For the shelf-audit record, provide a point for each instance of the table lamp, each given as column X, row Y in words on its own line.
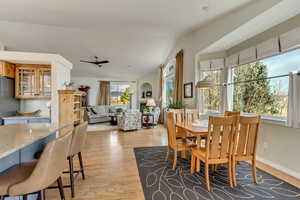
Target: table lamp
column 150, row 103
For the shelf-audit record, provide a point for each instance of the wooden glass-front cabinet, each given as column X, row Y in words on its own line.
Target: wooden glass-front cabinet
column 33, row 81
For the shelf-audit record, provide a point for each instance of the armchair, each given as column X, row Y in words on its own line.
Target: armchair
column 129, row 121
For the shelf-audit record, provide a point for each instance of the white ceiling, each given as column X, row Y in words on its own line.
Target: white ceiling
column 136, row 33
column 279, row 13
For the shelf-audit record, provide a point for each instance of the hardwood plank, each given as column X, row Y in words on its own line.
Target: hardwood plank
column 110, row 166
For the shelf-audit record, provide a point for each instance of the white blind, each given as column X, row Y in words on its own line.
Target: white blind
column 217, row 64
column 247, row 56
column 290, row 40
column 232, row 61
column 205, row 65
column 268, row 48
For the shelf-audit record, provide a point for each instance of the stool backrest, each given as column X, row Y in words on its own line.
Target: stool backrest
column 78, row 139
column 49, row 167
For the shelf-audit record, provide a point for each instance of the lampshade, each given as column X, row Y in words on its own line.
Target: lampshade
column 150, row 102
column 205, row 84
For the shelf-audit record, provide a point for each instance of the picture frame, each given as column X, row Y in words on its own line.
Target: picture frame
column 188, row 90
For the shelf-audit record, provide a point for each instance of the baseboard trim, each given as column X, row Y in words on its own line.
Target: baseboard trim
column 279, row 167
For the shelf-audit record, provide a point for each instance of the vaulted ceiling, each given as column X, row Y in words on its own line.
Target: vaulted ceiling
column 135, row 35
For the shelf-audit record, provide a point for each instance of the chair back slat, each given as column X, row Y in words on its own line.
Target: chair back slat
column 226, row 141
column 220, row 137
column 191, row 115
column 246, row 138
column 171, row 129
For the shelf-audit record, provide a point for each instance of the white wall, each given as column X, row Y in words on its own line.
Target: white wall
column 30, row 105
column 60, row 74
column 278, row 146
column 196, row 41
column 153, row 79
column 94, row 90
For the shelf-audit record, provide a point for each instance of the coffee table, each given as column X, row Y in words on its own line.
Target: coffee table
column 113, row 119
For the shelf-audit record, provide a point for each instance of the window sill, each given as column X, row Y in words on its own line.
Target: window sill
column 266, row 120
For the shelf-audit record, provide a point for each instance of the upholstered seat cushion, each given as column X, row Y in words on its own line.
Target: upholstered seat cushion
column 14, row 175
column 99, row 115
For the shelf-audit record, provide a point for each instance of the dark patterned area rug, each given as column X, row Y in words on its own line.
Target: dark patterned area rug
column 160, row 182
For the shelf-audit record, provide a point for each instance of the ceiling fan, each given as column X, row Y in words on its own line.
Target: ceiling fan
column 96, row 62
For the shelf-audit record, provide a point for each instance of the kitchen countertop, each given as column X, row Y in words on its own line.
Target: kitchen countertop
column 17, row 136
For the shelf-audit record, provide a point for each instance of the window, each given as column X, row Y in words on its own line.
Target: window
column 169, row 82
column 268, row 95
column 119, row 94
column 212, row 96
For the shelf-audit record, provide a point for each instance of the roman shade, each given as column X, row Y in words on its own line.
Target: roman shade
column 217, row 64
column 290, row 40
column 268, row 48
column 205, row 65
column 232, row 61
column 247, row 56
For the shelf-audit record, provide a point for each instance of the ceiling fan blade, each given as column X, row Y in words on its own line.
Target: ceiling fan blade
column 87, row 61
column 103, row 62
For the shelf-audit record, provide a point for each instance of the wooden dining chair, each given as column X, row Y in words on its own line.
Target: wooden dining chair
column 191, row 115
column 228, row 114
column 177, row 145
column 231, row 113
column 179, row 118
column 218, row 148
column 245, row 142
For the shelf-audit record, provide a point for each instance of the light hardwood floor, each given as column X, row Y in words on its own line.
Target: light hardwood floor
column 111, row 171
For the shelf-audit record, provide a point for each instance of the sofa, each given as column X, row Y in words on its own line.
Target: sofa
column 131, row 120
column 97, row 114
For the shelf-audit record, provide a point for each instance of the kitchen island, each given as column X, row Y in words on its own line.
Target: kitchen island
column 19, row 143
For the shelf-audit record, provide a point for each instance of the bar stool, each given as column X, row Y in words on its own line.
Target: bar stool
column 77, row 144
column 34, row 177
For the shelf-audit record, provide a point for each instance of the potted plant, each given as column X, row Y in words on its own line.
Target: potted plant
column 177, row 105
column 119, row 110
column 171, row 106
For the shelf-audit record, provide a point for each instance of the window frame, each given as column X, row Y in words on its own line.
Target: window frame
column 171, row 63
column 201, row 93
column 227, row 79
column 271, row 119
column 118, row 85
